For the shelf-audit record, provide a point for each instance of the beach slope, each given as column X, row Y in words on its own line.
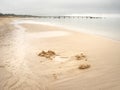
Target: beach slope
column 22, row 68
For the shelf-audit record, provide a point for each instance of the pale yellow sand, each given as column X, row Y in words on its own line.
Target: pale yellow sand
column 22, row 69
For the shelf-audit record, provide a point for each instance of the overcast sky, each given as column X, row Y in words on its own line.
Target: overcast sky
column 59, row 7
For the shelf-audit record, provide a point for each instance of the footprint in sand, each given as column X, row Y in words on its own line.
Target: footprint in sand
column 55, row 76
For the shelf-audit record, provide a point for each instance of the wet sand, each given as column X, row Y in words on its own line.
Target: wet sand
column 22, row 69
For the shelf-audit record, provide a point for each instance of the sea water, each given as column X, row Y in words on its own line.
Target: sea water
column 104, row 26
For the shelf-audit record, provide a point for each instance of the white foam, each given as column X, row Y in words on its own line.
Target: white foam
column 32, row 22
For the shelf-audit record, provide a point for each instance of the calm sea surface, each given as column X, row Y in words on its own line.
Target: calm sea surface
column 106, row 26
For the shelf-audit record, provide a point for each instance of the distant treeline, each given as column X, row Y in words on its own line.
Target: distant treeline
column 15, row 15
column 25, row 16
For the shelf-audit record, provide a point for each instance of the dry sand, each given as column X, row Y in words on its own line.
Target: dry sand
column 22, row 69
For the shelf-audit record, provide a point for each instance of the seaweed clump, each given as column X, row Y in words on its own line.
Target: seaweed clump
column 84, row 63
column 84, row 66
column 47, row 54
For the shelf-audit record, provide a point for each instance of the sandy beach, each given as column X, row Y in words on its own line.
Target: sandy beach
column 22, row 69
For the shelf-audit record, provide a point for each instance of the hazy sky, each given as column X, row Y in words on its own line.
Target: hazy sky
column 59, row 7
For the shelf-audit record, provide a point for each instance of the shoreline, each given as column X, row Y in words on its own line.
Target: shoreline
column 47, row 33
column 44, row 24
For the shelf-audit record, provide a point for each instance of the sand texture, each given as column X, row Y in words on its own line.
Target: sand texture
column 24, row 67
